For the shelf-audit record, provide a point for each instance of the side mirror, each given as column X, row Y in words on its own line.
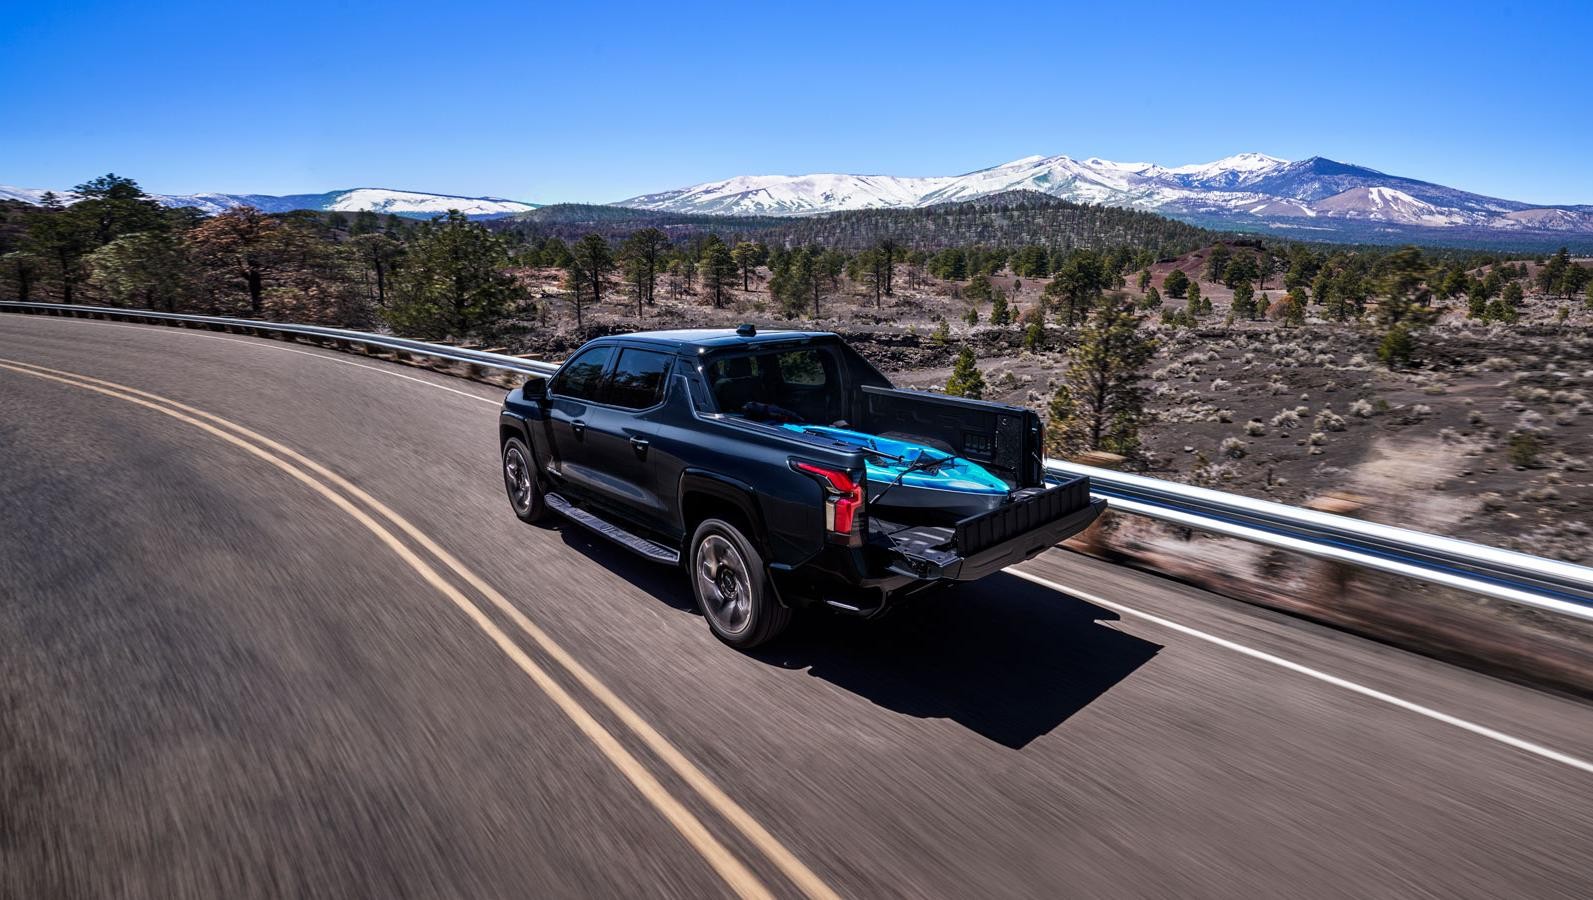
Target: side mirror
column 535, row 387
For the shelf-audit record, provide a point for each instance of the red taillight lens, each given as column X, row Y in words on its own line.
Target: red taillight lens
column 843, row 501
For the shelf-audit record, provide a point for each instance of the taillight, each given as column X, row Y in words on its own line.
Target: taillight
column 843, row 502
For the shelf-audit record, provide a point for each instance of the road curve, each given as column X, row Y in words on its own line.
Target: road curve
column 227, row 672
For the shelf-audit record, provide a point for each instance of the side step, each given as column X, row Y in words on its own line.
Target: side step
column 639, row 545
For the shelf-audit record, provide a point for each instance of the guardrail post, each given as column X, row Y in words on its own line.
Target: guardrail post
column 1336, row 576
column 1093, row 539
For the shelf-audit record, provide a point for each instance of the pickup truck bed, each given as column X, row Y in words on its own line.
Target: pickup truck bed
column 675, row 445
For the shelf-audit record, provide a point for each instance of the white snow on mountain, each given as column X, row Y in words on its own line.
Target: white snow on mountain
column 1242, row 162
column 34, row 196
column 381, row 200
column 791, row 194
column 1091, row 180
column 1381, row 204
column 1249, row 187
column 378, row 200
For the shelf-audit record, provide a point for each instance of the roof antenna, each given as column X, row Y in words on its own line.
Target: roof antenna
column 745, row 329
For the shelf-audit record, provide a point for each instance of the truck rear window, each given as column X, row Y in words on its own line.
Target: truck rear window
column 803, row 382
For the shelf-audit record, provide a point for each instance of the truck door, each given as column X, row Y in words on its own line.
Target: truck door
column 572, row 396
column 619, row 434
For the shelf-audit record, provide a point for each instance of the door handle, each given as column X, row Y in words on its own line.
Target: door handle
column 639, row 445
column 579, row 428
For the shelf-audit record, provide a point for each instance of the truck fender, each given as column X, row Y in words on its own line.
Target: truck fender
column 697, row 485
column 513, row 424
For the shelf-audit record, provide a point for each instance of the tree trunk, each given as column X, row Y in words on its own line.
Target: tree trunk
column 66, row 278
column 254, row 280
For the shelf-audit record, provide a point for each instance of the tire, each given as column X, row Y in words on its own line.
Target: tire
column 520, row 481
column 731, row 584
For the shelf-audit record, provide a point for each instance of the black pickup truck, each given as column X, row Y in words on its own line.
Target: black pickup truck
column 748, row 455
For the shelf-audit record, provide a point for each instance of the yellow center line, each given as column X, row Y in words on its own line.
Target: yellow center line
column 754, row 831
column 735, row 874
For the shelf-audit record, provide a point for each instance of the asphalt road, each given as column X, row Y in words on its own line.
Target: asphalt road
column 306, row 650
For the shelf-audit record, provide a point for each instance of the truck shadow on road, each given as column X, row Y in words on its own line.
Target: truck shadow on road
column 1005, row 658
column 1008, row 659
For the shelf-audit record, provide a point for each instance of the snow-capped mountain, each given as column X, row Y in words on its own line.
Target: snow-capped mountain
column 378, row 200
column 1250, row 190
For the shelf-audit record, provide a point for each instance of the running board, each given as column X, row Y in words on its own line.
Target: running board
column 639, row 545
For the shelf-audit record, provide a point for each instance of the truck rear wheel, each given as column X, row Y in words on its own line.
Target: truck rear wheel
column 520, row 480
column 732, row 587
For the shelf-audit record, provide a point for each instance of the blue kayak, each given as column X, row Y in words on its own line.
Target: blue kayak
column 905, row 475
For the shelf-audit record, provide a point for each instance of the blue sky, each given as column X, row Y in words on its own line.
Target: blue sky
column 598, row 102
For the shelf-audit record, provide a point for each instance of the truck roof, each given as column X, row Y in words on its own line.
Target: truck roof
column 716, row 337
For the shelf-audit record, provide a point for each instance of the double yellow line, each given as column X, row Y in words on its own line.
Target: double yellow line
column 386, row 525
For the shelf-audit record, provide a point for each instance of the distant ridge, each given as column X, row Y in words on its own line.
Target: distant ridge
column 378, row 200
column 1316, row 198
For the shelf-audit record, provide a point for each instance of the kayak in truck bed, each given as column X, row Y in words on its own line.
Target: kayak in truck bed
column 907, row 476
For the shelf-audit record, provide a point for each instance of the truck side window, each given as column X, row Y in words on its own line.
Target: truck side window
column 582, row 378
column 638, row 378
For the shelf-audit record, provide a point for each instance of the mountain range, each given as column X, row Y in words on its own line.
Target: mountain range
column 1311, row 198
column 380, row 200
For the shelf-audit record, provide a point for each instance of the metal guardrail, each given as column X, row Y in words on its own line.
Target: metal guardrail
column 1545, row 584
column 316, row 333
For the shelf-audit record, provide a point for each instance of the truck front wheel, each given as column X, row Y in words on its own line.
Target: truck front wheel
column 520, row 480
column 732, row 587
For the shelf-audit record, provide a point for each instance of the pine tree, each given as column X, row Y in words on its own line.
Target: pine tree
column 1244, row 303
column 965, row 380
column 978, row 289
column 1000, row 313
column 1195, row 306
column 830, row 265
column 1553, row 271
column 795, row 282
column 240, row 245
column 110, row 206
column 717, row 267
column 454, row 280
column 888, row 250
column 746, row 255
column 1217, row 262
column 642, row 254
column 1034, row 336
column 593, row 260
column 1266, row 266
column 1398, row 347
column 1100, row 404
column 148, row 269
column 1176, row 284
column 377, row 254
column 1077, row 285
column 1241, row 268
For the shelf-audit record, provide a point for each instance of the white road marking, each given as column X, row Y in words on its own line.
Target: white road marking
column 270, row 345
column 1336, row 681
